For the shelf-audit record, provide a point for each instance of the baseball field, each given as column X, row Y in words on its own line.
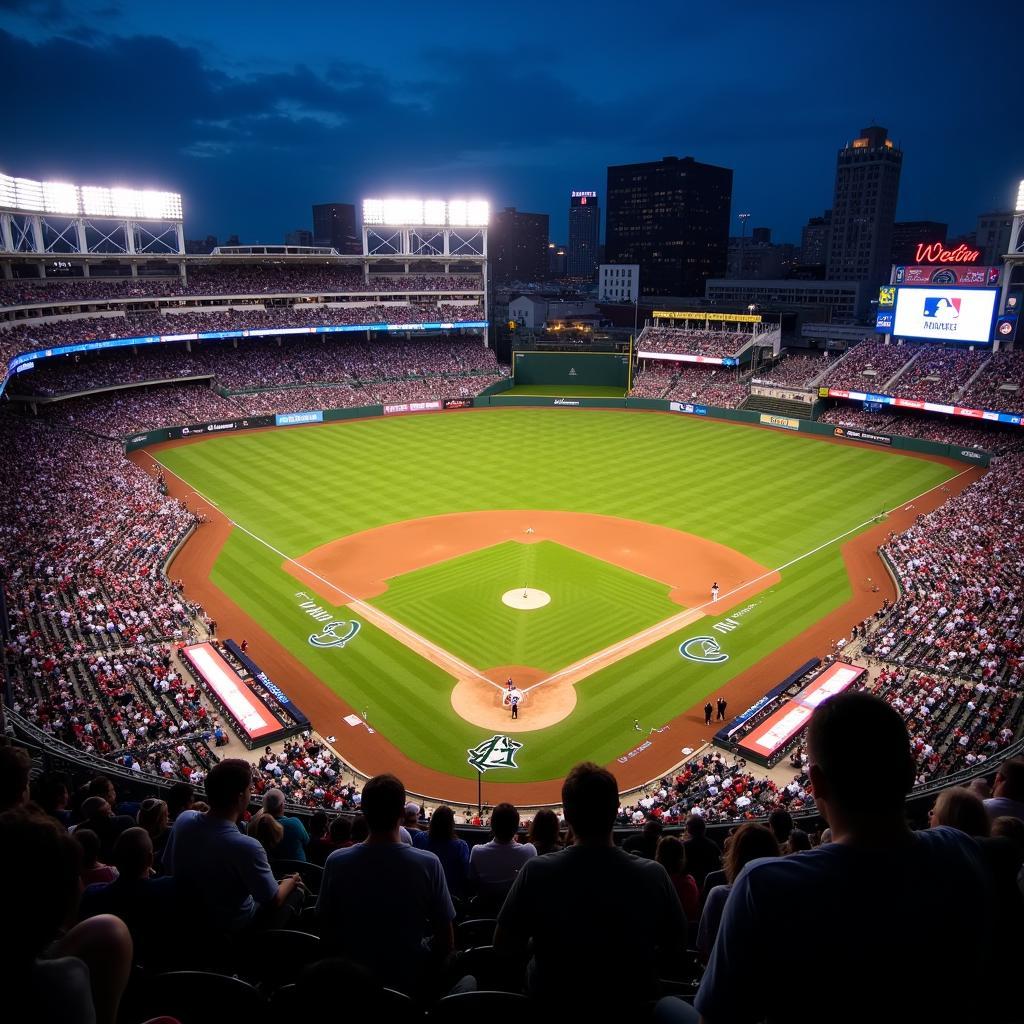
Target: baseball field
column 421, row 535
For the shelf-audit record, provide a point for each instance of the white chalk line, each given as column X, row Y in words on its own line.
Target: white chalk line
column 371, row 612
column 375, row 615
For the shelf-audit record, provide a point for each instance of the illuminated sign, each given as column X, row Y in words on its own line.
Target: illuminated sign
column 936, row 252
column 957, row 277
column 583, row 195
column 886, row 296
column 733, row 318
column 960, row 316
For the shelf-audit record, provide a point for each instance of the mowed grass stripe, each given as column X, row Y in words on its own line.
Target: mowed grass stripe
column 772, row 495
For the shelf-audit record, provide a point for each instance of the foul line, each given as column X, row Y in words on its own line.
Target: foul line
column 368, row 611
column 735, row 590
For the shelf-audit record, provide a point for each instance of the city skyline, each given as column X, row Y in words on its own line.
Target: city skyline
column 254, row 119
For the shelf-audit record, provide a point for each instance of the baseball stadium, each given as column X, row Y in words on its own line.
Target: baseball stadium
column 287, row 505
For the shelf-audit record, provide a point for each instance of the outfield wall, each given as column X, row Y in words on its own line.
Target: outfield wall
column 497, row 399
column 572, row 369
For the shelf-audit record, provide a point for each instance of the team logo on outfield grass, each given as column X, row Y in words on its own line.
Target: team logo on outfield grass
column 704, row 649
column 335, row 634
column 497, row 752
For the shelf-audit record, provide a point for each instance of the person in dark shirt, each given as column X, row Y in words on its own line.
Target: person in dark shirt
column 645, row 842
column 702, row 855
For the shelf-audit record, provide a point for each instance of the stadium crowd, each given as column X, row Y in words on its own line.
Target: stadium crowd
column 999, row 386
column 939, row 374
column 793, row 370
column 930, row 427
column 653, row 381
column 687, row 342
column 868, row 366
column 709, row 384
column 234, row 280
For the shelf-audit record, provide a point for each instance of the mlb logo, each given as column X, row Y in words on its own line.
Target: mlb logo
column 942, row 307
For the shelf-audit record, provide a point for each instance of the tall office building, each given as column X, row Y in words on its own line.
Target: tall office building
column 992, row 237
column 517, row 246
column 335, row 224
column 864, row 208
column 300, row 236
column 814, row 240
column 584, row 234
column 671, row 217
column 907, row 235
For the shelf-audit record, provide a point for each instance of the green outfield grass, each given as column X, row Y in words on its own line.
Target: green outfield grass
column 457, row 604
column 563, row 391
column 773, row 496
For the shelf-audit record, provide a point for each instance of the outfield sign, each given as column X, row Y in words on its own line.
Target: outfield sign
column 782, row 422
column 913, row 403
column 732, row 318
column 399, row 407
column 287, row 419
column 861, row 435
column 688, row 407
column 768, row 390
column 496, row 752
column 683, row 357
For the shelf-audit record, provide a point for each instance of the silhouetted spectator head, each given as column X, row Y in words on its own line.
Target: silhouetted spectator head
column 360, row 828
column 15, row 765
column 95, row 807
column 179, row 798
column 89, row 844
column 341, row 830
column 267, row 831
column 442, row 824
column 590, row 798
column 153, row 816
column 229, row 786
column 273, row 802
column 412, row 816
column 133, row 854
column 960, row 808
column 1006, row 827
column 1009, row 782
column 318, row 825
column 747, row 843
column 383, row 803
column 50, row 791
column 781, row 824
column 102, row 786
column 504, row 822
column 671, row 855
column 842, row 731
column 696, row 826
column 798, row 841
column 545, row 829
column 652, row 828
column 42, row 864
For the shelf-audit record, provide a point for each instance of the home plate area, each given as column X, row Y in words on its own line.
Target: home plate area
column 525, row 598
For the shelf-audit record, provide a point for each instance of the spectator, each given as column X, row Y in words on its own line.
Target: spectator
column 76, row 976
column 959, row 808
column 781, row 823
column 93, row 869
column 145, row 904
column 453, row 853
column 268, row 832
column 412, row 819
column 702, row 855
column 1008, row 792
column 153, row 817
column 378, row 899
column 50, row 792
column 15, row 765
column 293, row 844
column 545, row 832
column 98, row 816
column 221, row 873
column 671, row 855
column 749, row 843
column 319, row 839
column 493, row 866
column 799, row 840
column 599, row 919
column 645, row 844
column 179, row 798
column 877, row 888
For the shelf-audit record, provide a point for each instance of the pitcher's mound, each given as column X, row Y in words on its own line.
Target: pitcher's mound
column 525, row 598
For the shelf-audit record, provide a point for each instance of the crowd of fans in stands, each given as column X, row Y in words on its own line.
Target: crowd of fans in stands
column 680, row 341
column 653, row 381
column 234, row 280
column 710, row 385
column 868, row 366
column 939, row 374
column 946, row 429
column 794, row 370
column 989, row 390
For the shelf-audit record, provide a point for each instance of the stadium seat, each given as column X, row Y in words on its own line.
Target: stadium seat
column 312, row 874
column 274, row 958
column 199, row 997
column 490, row 970
column 477, row 931
column 474, row 1007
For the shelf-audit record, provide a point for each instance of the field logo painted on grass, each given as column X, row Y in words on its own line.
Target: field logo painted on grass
column 496, row 752
column 704, row 649
column 328, row 636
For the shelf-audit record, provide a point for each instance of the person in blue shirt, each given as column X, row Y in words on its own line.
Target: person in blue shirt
column 295, row 840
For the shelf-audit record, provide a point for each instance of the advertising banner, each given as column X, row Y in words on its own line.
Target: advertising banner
column 286, row 419
column 957, row 277
column 689, row 408
column 399, row 407
column 786, row 394
column 913, row 403
column 458, row 403
column 679, row 357
column 958, row 316
column 782, row 422
column 732, row 318
column 861, row 435
column 884, row 320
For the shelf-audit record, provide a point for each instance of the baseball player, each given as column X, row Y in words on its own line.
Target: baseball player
column 714, row 591
column 515, row 707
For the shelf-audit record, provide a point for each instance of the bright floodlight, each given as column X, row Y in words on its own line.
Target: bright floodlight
column 96, row 201
column 457, row 213
column 434, row 211
column 29, row 194
column 60, row 198
column 479, row 212
column 1020, row 198
column 373, row 211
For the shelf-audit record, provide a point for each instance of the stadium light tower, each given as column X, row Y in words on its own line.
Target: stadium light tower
column 1013, row 260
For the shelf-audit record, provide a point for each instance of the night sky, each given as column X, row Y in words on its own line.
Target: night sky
column 256, row 110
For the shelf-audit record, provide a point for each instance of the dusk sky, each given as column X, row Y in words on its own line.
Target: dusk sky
column 256, row 110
